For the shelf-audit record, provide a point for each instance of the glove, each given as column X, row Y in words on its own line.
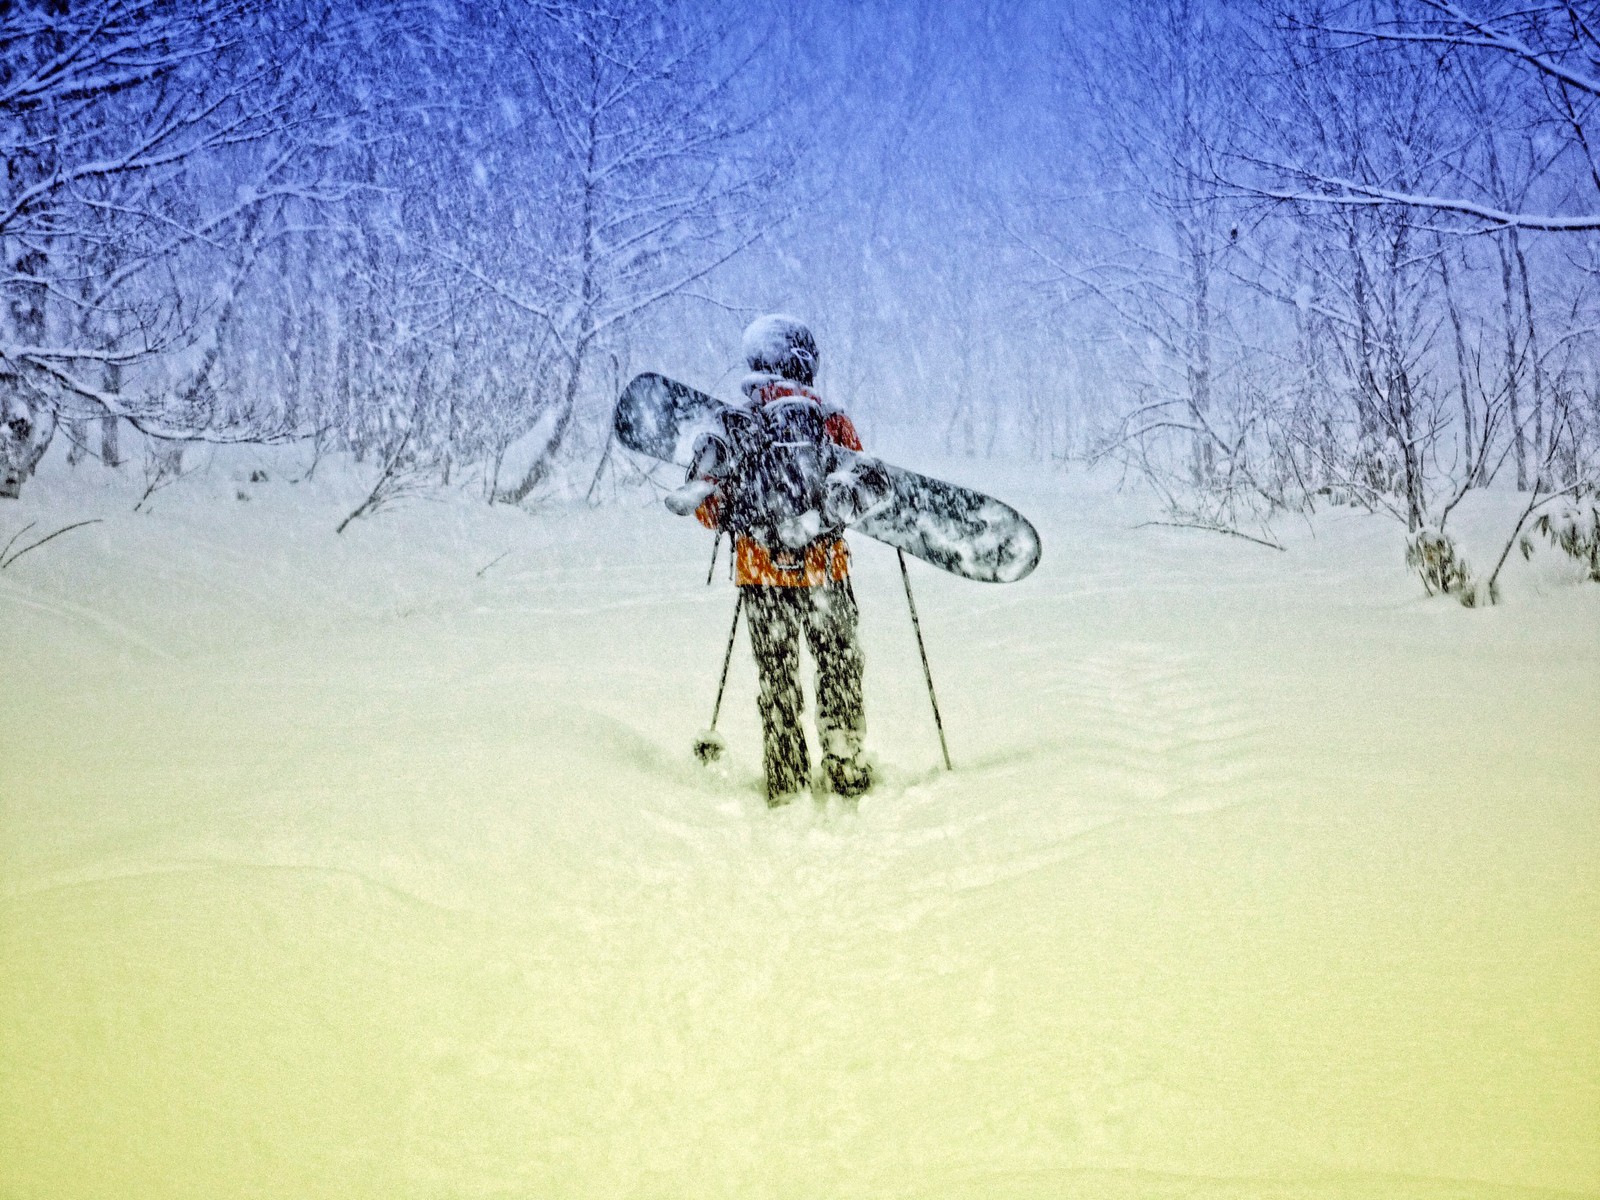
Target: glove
column 684, row 500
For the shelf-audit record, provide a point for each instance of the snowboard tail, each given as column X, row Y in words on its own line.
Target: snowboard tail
column 957, row 529
column 660, row 417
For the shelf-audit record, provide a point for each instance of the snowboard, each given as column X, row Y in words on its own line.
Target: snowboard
column 954, row 528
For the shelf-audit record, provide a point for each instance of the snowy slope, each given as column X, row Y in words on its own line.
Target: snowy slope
column 377, row 865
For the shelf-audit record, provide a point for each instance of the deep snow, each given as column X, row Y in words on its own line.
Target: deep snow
column 377, row 865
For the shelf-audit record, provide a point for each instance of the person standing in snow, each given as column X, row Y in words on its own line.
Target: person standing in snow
column 788, row 593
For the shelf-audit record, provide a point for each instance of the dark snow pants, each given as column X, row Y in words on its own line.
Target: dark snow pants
column 827, row 616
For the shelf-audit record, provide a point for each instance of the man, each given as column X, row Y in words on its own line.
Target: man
column 793, row 591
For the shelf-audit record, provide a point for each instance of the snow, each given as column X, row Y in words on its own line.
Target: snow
column 379, row 865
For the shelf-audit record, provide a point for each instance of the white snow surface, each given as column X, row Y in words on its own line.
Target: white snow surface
column 378, row 864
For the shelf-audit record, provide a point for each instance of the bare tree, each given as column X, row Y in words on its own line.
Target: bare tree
column 1552, row 55
column 1154, row 257
column 148, row 147
column 645, row 180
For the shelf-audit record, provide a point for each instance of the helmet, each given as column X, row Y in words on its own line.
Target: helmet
column 781, row 345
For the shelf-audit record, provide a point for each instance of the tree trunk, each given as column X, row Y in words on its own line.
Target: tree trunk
column 1468, row 418
column 544, row 462
column 1519, row 445
column 1540, row 450
column 24, row 437
column 110, row 442
column 1202, row 453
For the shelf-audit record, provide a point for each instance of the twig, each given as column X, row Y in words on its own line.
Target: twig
column 167, row 470
column 6, row 562
column 1212, row 529
column 600, row 467
column 393, row 482
column 491, row 563
column 14, row 538
column 1534, row 502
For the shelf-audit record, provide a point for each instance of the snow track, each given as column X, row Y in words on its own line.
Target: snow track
column 346, row 867
column 1163, row 727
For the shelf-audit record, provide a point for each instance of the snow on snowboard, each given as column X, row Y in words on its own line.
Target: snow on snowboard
column 824, row 486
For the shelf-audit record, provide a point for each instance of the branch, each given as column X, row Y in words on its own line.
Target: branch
column 6, row 562
column 1352, row 194
column 1495, row 38
column 1212, row 529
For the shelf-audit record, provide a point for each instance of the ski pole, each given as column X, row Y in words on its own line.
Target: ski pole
column 727, row 658
column 708, row 746
column 916, row 625
column 716, row 545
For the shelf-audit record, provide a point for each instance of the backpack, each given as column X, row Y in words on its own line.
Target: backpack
column 771, row 460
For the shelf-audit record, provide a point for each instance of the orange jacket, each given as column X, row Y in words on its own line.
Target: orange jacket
column 753, row 563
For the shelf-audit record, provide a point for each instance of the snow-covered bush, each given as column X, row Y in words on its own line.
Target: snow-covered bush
column 1432, row 554
column 1575, row 528
column 24, row 435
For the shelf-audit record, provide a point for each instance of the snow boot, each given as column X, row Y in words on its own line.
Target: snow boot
column 848, row 777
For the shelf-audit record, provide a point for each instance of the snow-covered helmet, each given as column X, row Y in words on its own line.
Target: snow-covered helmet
column 781, row 345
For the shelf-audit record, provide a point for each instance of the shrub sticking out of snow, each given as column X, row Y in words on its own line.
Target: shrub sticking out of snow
column 1574, row 527
column 1432, row 554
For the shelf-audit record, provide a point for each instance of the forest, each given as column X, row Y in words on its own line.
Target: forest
column 1270, row 257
